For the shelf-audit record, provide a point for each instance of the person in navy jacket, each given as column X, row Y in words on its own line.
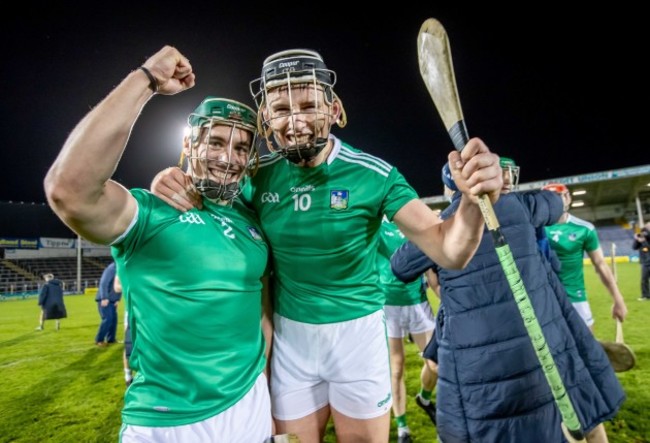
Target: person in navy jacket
column 107, row 300
column 491, row 386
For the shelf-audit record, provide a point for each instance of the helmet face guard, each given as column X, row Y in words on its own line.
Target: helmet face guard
column 220, row 154
column 301, row 76
column 510, row 173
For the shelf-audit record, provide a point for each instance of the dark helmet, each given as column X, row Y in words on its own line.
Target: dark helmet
column 292, row 66
column 289, row 68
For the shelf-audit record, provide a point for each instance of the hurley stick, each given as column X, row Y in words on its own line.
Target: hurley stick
column 436, row 67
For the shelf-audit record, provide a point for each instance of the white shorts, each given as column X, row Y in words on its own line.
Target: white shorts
column 248, row 420
column 345, row 365
column 411, row 319
column 584, row 310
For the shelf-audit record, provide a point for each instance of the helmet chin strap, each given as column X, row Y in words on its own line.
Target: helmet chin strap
column 305, row 151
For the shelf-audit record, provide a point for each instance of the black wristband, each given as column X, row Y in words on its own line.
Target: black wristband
column 153, row 84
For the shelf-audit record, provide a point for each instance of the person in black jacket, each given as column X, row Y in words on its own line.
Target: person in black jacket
column 50, row 299
column 642, row 244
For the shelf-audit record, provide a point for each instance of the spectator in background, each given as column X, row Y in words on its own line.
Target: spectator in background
column 407, row 311
column 642, row 244
column 570, row 238
column 128, row 344
column 107, row 300
column 50, row 299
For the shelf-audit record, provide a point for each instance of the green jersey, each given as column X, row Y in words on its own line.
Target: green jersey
column 570, row 241
column 397, row 293
column 193, row 292
column 322, row 224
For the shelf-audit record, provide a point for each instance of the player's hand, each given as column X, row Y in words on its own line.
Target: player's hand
column 619, row 311
column 173, row 72
column 476, row 171
column 176, row 189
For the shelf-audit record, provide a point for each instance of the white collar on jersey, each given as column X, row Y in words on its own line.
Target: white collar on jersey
column 336, row 147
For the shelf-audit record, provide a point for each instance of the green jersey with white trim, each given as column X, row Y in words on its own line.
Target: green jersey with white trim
column 570, row 241
column 193, row 292
column 397, row 292
column 322, row 225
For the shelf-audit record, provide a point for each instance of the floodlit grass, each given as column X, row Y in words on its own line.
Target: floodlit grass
column 56, row 386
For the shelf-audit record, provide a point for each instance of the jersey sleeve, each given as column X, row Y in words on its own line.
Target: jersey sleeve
column 591, row 241
column 398, row 192
column 130, row 239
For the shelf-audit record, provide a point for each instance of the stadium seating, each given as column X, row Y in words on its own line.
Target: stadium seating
column 23, row 277
column 615, row 234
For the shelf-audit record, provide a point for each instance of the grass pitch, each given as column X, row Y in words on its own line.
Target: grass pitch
column 57, row 386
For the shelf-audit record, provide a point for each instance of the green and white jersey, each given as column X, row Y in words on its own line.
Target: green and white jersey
column 570, row 241
column 397, row 293
column 193, row 291
column 322, row 225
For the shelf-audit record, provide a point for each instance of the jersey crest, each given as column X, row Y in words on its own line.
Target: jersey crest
column 254, row 233
column 339, row 199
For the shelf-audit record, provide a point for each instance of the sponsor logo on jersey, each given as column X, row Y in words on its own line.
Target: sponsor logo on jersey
column 301, row 189
column 192, row 218
column 384, row 401
column 573, row 236
column 254, row 233
column 339, row 199
column 270, row 197
column 222, row 219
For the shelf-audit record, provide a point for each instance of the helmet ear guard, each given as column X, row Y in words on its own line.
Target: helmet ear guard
column 342, row 119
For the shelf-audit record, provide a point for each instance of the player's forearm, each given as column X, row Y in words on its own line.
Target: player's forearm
column 463, row 233
column 607, row 278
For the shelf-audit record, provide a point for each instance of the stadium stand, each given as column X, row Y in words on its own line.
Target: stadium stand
column 608, row 196
column 619, row 236
column 23, row 277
